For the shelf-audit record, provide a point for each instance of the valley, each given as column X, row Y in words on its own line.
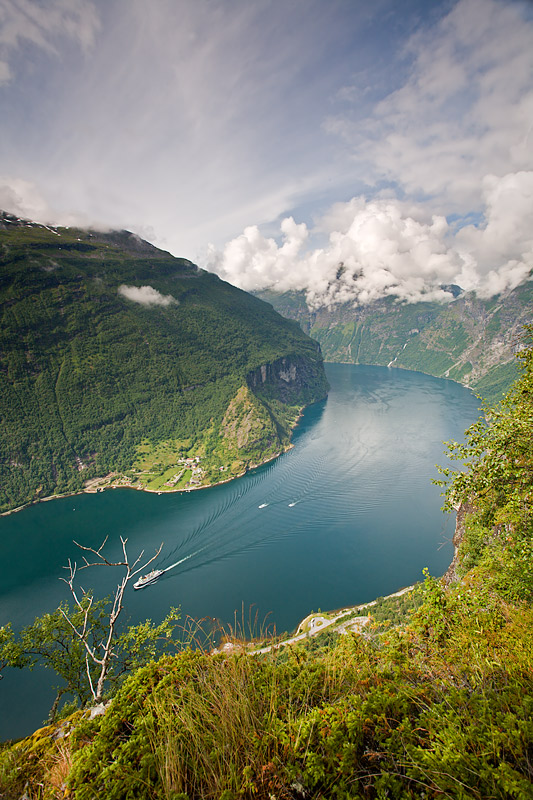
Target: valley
column 467, row 339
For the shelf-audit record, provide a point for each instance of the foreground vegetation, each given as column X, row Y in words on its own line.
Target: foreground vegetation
column 441, row 707
column 94, row 376
column 434, row 700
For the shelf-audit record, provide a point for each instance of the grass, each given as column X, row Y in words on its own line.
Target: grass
column 206, row 736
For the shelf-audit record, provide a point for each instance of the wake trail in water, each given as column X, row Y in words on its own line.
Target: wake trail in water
column 185, row 558
column 241, row 490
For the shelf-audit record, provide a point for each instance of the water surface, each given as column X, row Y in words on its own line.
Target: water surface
column 347, row 515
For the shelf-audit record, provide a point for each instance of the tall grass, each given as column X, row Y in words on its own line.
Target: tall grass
column 440, row 707
column 213, row 733
column 229, row 730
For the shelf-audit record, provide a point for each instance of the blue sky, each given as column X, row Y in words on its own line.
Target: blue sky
column 271, row 140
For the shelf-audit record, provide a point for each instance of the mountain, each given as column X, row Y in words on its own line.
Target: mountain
column 119, row 360
column 469, row 340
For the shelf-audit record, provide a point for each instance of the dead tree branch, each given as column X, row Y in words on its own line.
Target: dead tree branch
column 101, row 652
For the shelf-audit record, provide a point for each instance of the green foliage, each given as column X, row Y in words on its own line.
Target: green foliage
column 439, row 707
column 88, row 375
column 391, row 611
column 50, row 642
column 497, row 478
column 496, row 382
column 142, row 643
column 11, row 651
column 477, row 538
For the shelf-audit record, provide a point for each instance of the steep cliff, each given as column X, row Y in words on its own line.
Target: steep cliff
column 452, row 575
column 291, row 379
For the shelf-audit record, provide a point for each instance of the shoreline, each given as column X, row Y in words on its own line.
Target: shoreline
column 96, row 489
column 315, row 623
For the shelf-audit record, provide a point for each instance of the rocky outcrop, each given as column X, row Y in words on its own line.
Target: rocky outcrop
column 247, row 428
column 259, row 419
column 464, row 510
column 294, row 379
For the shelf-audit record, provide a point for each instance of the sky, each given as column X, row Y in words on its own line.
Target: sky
column 349, row 149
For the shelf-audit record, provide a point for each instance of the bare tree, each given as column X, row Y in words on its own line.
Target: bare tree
column 101, row 653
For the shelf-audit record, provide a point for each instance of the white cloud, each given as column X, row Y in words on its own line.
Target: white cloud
column 23, row 199
column 146, row 295
column 381, row 249
column 252, row 261
column 198, row 120
column 456, row 137
column 501, row 249
column 195, row 118
column 465, row 110
column 386, row 247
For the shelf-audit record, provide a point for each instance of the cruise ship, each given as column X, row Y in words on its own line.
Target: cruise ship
column 146, row 580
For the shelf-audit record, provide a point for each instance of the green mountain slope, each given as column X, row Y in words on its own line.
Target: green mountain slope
column 469, row 340
column 94, row 381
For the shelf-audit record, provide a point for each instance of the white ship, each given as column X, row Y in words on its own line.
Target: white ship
column 146, row 580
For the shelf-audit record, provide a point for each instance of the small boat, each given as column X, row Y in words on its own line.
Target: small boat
column 263, row 505
column 146, row 580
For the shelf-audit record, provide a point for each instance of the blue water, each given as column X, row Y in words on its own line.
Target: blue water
column 347, row 515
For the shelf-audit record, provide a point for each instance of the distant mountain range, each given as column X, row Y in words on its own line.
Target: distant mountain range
column 119, row 360
column 469, row 340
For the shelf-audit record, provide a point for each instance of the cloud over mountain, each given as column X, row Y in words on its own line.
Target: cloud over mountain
column 216, row 121
column 389, row 247
column 146, row 295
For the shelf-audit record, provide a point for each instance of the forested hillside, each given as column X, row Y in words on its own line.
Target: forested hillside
column 116, row 357
column 435, row 701
column 469, row 340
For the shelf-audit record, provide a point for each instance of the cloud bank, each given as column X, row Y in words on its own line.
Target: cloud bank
column 146, row 295
column 217, row 120
column 452, row 145
column 389, row 247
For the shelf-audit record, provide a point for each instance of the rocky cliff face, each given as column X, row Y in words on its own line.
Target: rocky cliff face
column 259, row 419
column 292, row 379
column 451, row 576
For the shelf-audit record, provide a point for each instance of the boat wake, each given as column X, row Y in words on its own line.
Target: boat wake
column 185, row 558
